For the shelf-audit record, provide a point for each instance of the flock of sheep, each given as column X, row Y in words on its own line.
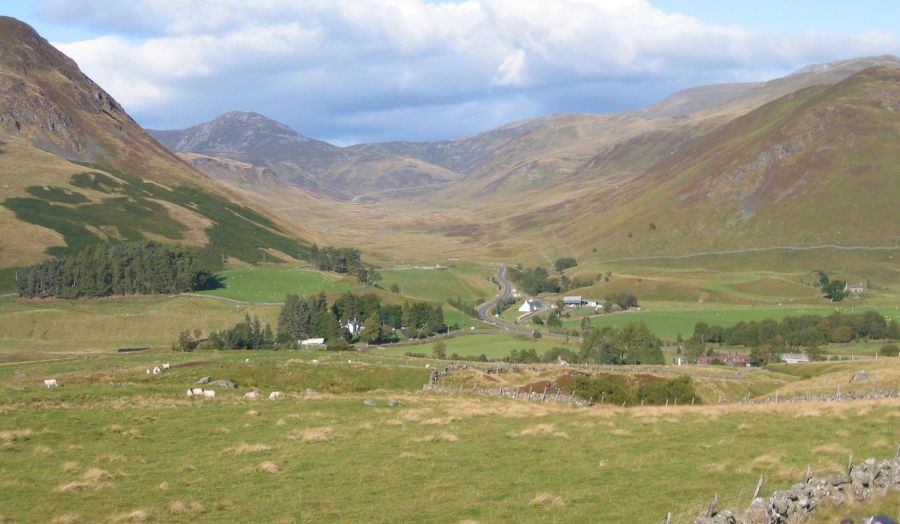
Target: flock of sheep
column 191, row 392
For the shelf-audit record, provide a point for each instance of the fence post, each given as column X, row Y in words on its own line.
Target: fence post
column 849, row 463
column 759, row 486
column 668, row 518
column 544, row 395
column 711, row 512
column 808, row 474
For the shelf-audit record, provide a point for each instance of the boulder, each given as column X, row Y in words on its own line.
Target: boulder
column 860, row 376
column 227, row 384
column 369, row 402
column 203, row 380
column 758, row 513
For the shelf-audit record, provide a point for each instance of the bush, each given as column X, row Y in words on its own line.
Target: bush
column 337, row 344
column 605, row 388
column 681, row 388
column 564, row 263
column 890, row 350
column 560, row 353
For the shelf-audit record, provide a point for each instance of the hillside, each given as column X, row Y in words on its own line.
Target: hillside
column 294, row 159
column 75, row 169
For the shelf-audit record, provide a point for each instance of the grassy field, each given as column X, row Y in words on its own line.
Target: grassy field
column 668, row 322
column 492, row 346
column 114, row 444
column 111, row 323
column 468, row 283
column 266, row 284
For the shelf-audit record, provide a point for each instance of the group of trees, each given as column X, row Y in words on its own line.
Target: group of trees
column 343, row 260
column 806, row 330
column 538, row 280
column 634, row 343
column 534, row 280
column 768, row 338
column 249, row 334
column 313, row 317
column 615, row 389
column 117, row 269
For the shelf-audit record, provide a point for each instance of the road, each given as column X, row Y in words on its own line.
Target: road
column 484, row 312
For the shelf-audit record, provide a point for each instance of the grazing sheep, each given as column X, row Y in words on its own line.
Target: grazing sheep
column 156, row 370
column 166, row 365
column 246, row 361
column 275, row 395
column 51, row 383
column 253, row 395
column 195, row 392
column 148, row 371
column 209, row 394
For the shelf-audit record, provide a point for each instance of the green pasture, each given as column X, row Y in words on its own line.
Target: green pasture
column 490, row 345
column 668, row 323
column 468, row 283
column 266, row 284
column 115, row 444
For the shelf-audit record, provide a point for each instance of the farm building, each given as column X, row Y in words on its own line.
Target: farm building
column 854, row 289
column 312, row 343
column 530, row 306
column 728, row 360
column 574, row 301
column 794, row 358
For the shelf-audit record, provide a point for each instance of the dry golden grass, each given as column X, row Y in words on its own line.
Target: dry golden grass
column 66, row 518
column 269, row 467
column 177, row 507
column 13, row 435
column 438, row 437
column 252, row 413
column 75, row 486
column 244, row 448
column 138, row 515
column 831, row 448
column 542, row 429
column 322, row 434
column 46, row 451
column 621, row 433
column 96, row 475
column 547, row 500
column 112, row 457
column 69, row 467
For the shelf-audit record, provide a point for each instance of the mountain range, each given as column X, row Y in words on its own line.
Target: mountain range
column 804, row 160
column 713, row 167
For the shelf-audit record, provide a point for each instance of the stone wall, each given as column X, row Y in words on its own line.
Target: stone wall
column 860, row 482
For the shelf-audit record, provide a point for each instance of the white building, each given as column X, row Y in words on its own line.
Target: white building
column 312, row 342
column 794, row 358
column 530, row 306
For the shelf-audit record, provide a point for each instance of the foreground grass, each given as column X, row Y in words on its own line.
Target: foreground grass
column 116, row 444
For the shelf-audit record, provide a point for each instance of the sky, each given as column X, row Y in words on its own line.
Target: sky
column 351, row 71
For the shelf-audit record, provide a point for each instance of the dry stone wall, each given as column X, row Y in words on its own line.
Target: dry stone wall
column 861, row 482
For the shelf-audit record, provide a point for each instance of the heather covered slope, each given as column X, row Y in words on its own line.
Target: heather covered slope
column 75, row 169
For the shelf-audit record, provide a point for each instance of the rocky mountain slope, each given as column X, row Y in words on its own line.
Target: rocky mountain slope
column 75, row 169
column 342, row 173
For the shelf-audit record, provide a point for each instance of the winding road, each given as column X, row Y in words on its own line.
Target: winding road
column 484, row 312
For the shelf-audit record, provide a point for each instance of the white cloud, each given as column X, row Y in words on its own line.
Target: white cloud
column 319, row 61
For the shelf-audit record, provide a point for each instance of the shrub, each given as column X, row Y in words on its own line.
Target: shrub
column 605, row 388
column 890, row 350
column 681, row 388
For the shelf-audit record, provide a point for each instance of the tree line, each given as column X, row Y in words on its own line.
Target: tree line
column 372, row 321
column 117, row 269
column 768, row 338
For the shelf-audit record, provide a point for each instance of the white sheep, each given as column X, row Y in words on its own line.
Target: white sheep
column 195, row 392
column 51, row 383
column 275, row 395
column 253, row 395
column 156, row 370
column 166, row 365
column 209, row 394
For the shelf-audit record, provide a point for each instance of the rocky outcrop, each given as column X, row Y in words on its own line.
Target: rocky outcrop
column 861, row 482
